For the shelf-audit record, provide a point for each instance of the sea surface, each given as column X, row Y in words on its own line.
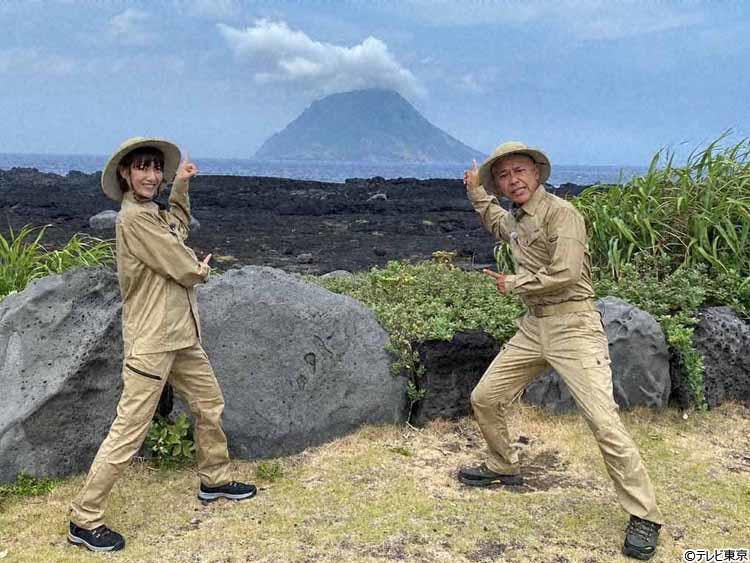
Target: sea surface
column 321, row 171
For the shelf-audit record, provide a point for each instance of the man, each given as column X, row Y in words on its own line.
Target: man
column 563, row 329
column 161, row 333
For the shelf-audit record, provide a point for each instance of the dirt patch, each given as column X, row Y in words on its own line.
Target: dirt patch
column 487, row 550
column 545, row 470
column 738, row 462
column 393, row 549
column 490, row 550
column 542, row 471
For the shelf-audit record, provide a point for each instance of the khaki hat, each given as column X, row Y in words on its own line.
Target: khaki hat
column 513, row 147
column 110, row 183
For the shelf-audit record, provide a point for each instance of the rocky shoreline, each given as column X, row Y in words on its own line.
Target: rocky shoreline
column 295, row 225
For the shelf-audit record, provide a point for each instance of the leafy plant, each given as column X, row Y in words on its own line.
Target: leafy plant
column 698, row 213
column 24, row 259
column 269, row 470
column 171, row 443
column 27, row 486
column 428, row 300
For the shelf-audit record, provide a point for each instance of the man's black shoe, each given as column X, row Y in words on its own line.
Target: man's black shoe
column 100, row 538
column 640, row 538
column 483, row 476
column 232, row 490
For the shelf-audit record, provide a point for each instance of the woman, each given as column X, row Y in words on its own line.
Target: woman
column 161, row 333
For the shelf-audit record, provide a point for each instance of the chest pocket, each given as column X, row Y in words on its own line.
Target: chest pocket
column 528, row 239
column 532, row 248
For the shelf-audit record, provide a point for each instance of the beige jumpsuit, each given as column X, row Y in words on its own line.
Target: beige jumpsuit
column 161, row 335
column 562, row 329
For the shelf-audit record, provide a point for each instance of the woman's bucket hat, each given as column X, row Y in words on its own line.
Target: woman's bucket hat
column 110, row 183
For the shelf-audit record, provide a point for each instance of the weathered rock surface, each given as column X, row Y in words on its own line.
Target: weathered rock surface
column 723, row 340
column 298, row 365
column 640, row 362
column 337, row 274
column 60, row 360
column 104, row 220
column 270, row 221
column 452, row 369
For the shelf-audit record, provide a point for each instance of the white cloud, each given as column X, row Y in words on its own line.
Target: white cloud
column 36, row 62
column 277, row 53
column 131, row 28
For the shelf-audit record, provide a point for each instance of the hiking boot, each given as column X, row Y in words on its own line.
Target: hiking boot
column 100, row 538
column 640, row 538
column 232, row 490
column 483, row 476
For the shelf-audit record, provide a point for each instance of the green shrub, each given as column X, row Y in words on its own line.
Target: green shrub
column 24, row 259
column 269, row 470
column 27, row 486
column 698, row 213
column 428, row 300
column 171, row 443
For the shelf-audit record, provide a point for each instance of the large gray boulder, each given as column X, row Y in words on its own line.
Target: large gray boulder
column 640, row 362
column 60, row 359
column 723, row 341
column 104, row 220
column 298, row 365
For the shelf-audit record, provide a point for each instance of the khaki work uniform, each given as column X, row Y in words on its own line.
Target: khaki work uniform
column 562, row 329
column 161, row 335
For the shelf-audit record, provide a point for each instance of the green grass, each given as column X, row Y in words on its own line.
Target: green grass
column 698, row 213
column 23, row 257
column 27, row 486
column 358, row 499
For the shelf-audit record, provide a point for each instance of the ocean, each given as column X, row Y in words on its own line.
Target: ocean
column 320, row 171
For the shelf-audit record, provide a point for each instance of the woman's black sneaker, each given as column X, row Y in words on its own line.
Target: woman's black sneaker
column 98, row 539
column 640, row 538
column 232, row 490
column 483, row 476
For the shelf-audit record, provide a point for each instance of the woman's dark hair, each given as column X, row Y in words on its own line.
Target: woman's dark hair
column 142, row 157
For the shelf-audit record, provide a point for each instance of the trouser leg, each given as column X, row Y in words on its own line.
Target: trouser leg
column 515, row 366
column 577, row 348
column 143, row 379
column 194, row 379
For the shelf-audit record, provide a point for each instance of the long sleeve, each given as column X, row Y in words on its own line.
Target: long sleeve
column 566, row 232
column 179, row 207
column 490, row 212
column 157, row 247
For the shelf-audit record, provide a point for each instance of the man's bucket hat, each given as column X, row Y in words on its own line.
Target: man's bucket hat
column 513, row 147
column 110, row 183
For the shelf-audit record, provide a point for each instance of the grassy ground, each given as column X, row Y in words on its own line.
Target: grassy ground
column 390, row 494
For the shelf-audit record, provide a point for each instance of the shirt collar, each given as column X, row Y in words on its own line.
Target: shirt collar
column 129, row 199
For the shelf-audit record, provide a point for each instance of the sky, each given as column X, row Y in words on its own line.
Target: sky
column 605, row 82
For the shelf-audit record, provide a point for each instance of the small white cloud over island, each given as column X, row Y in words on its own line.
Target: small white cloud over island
column 276, row 53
